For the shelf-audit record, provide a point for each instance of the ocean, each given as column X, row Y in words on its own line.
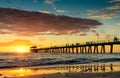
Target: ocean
column 26, row 64
column 9, row 60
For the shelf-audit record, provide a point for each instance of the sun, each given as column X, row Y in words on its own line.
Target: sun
column 22, row 49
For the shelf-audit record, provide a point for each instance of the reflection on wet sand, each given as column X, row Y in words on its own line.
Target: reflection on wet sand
column 59, row 69
column 91, row 68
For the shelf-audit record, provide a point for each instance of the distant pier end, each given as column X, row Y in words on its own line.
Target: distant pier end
column 33, row 49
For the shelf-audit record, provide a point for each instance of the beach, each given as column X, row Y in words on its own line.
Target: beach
column 76, row 75
column 99, row 70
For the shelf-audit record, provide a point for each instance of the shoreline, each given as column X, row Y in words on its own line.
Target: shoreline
column 57, row 65
column 75, row 75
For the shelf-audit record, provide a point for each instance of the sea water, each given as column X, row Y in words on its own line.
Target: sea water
column 8, row 60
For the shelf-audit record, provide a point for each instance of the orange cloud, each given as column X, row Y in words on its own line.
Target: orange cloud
column 17, row 42
column 60, row 11
column 104, row 16
column 44, row 11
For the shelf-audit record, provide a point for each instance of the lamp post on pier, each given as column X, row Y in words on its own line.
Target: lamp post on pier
column 66, row 40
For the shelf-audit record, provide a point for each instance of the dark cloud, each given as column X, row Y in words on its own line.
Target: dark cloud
column 28, row 23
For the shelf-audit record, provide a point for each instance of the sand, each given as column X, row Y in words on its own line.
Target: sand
column 76, row 75
column 64, row 71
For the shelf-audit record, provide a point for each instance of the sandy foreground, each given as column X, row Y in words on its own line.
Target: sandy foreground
column 76, row 75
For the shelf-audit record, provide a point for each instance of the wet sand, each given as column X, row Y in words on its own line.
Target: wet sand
column 100, row 70
column 76, row 75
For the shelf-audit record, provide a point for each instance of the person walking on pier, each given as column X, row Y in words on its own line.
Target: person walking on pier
column 115, row 39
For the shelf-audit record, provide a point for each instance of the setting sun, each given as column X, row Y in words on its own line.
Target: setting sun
column 22, row 49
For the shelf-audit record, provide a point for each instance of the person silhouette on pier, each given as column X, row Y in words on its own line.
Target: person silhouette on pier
column 115, row 39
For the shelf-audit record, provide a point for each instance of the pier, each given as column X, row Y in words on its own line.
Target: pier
column 87, row 47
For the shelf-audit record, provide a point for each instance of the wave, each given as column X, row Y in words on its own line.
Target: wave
column 50, row 61
column 83, row 61
column 107, row 60
column 47, row 59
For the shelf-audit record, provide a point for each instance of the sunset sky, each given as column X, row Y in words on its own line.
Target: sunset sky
column 24, row 23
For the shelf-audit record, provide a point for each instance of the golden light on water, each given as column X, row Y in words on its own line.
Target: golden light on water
column 18, row 72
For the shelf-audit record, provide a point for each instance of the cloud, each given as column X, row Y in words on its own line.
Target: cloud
column 42, row 39
column 53, row 33
column 61, row 11
column 5, row 31
column 44, row 11
column 51, row 2
column 82, row 34
column 107, row 37
column 17, row 42
column 103, row 16
column 106, row 12
column 113, row 8
column 2, row 24
column 95, row 33
column 29, row 23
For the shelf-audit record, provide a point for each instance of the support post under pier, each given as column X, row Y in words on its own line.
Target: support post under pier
column 111, row 48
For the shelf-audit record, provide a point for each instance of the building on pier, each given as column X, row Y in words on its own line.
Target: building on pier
column 34, row 49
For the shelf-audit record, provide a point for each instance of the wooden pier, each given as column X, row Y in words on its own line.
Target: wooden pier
column 87, row 47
